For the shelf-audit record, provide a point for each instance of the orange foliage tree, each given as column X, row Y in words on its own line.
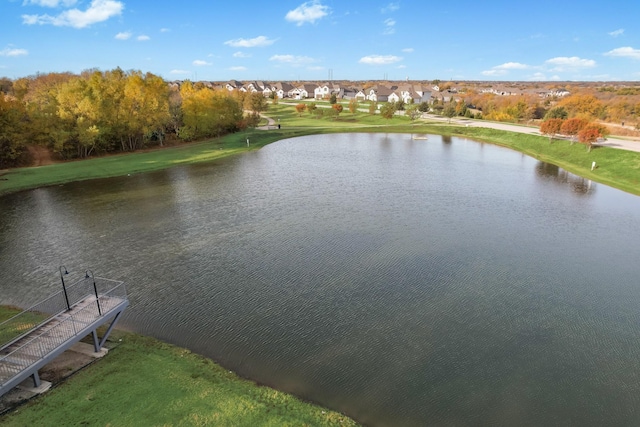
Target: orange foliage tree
column 572, row 126
column 551, row 127
column 583, row 105
column 589, row 135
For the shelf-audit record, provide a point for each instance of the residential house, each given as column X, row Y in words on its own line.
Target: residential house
column 349, row 93
column 233, row 85
column 302, row 92
column 379, row 94
column 322, row 91
column 281, row 89
column 360, row 95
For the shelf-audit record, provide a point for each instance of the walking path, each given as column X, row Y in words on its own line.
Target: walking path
column 271, row 124
column 623, row 144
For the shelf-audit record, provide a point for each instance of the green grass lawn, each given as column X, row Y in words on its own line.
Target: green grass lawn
column 145, row 382
column 617, row 168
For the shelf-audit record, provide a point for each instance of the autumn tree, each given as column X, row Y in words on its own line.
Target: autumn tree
column 556, row 113
column 311, row 107
column 424, row 107
column 253, row 120
column 146, row 105
column 78, row 116
column 333, row 99
column 353, row 106
column 388, row 110
column 460, row 108
column 583, row 105
column 338, row 109
column 175, row 121
column 300, row 108
column 13, row 123
column 372, row 107
column 39, row 96
column 572, row 126
column 6, row 85
column 535, row 112
column 413, row 112
column 589, row 135
column 255, row 102
column 208, row 112
column 449, row 111
column 551, row 127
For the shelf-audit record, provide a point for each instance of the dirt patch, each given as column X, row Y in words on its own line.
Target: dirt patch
column 41, row 156
column 56, row 372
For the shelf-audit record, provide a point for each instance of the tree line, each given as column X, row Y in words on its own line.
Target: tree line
column 99, row 112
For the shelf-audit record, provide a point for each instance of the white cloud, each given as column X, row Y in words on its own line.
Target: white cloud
column 143, row 38
column 625, row 52
column 296, row 61
column 407, row 49
column 200, row 63
column 50, row 3
column 13, row 52
column 238, row 68
column 564, row 63
column 380, row 59
column 179, row 72
column 511, row 66
column 241, row 55
column 310, row 11
column 389, row 25
column 165, row 30
column 494, row 72
column 98, row 11
column 401, row 66
column 616, row 33
column 260, row 41
column 125, row 35
column 391, row 7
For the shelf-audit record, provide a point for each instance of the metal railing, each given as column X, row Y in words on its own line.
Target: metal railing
column 52, row 325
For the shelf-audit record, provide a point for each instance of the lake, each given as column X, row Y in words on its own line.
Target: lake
column 401, row 281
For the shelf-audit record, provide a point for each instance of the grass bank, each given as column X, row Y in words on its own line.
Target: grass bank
column 617, row 168
column 143, row 381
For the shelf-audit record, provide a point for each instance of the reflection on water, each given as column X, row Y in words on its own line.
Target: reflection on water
column 555, row 174
column 404, row 282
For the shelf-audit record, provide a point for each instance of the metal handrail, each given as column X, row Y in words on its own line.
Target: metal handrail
column 51, row 308
column 40, row 346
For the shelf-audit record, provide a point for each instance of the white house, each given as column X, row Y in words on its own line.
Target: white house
column 379, row 94
column 302, row 92
column 322, row 92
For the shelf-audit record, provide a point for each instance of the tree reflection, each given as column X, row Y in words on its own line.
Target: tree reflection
column 577, row 185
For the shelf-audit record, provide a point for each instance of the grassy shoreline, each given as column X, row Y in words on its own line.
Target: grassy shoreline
column 616, row 168
column 144, row 381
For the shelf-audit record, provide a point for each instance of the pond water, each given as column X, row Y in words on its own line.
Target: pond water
column 401, row 281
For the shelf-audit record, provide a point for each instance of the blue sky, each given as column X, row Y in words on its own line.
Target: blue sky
column 348, row 39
